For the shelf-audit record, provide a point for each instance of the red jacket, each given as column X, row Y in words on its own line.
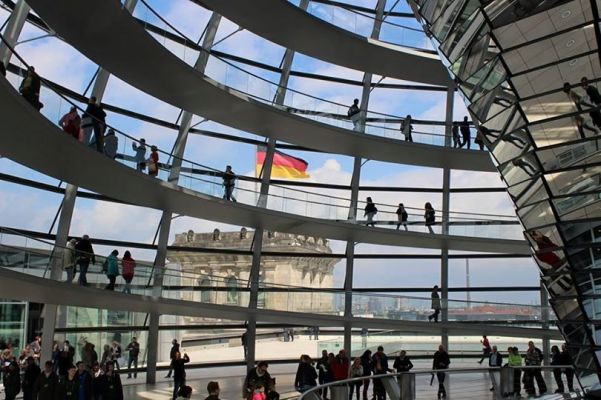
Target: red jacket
column 129, row 264
column 340, row 368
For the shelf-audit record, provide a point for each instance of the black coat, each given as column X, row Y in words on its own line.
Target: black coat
column 402, row 364
column 46, row 388
column 499, row 360
column 441, row 360
column 323, row 366
column 12, row 383
column 29, row 377
column 111, row 387
column 179, row 369
column 174, row 349
column 305, row 375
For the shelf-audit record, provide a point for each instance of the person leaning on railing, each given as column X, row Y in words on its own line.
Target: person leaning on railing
column 514, row 359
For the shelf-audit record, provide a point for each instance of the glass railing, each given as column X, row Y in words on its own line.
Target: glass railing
column 394, row 30
column 26, row 254
column 261, row 89
column 209, row 181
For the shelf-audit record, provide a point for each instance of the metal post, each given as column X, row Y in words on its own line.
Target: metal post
column 255, row 273
column 354, row 201
column 446, row 186
column 544, row 303
column 13, row 29
column 166, row 217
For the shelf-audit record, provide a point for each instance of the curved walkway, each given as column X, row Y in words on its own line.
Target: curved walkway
column 25, row 131
column 291, row 27
column 19, row 286
column 121, row 45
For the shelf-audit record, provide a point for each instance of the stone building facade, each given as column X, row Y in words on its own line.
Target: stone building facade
column 222, row 278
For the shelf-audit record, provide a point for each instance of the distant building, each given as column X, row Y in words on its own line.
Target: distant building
column 221, row 278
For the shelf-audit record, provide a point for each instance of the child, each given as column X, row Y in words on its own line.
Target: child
column 259, row 393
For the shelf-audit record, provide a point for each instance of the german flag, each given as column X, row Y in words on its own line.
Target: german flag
column 284, row 165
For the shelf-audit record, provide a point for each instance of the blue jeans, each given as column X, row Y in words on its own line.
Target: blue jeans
column 83, row 270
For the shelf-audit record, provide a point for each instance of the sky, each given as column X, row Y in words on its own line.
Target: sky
column 34, row 209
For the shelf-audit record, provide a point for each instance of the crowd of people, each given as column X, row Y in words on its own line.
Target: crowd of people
column 79, row 253
column 61, row 378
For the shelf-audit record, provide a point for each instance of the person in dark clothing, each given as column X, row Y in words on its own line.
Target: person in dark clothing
column 68, row 388
column 84, row 379
column 244, row 340
column 456, row 137
column 134, row 352
column 464, row 128
column 65, row 359
column 84, row 254
column 185, row 392
column 97, row 380
column 435, row 304
column 370, row 212
column 229, row 183
column 556, row 360
column 30, row 88
column 429, row 216
column 30, row 376
column 368, row 367
column 441, row 361
column 534, row 357
column 402, row 363
column 566, row 359
column 98, row 116
column 179, row 372
column 306, row 377
column 495, row 359
column 111, row 383
column 174, row 350
column 591, row 91
column 323, row 366
column 353, row 114
column 46, row 385
column 213, row 390
column 380, row 367
column 402, row 216
column 255, row 377
column 11, row 381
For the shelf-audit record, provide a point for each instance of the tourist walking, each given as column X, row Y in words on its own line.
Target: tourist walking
column 255, row 378
column 464, row 128
column 111, row 144
column 380, row 367
column 111, row 269
column 84, row 253
column 71, row 123
column 495, row 360
column 111, row 383
column 323, row 368
column 116, row 352
column 31, row 373
column 106, row 355
column 46, row 385
column 407, row 128
column 69, row 259
column 356, row 371
column 402, row 363
column 340, row 366
column 354, row 114
column 133, row 349
column 440, row 362
column 98, row 116
column 370, row 212
column 174, row 350
column 485, row 348
column 229, row 184
column 97, row 381
column 140, row 156
column 30, row 88
column 429, row 216
column 435, row 305
column 402, row 217
column 368, row 366
column 456, row 137
column 566, row 359
column 514, row 359
column 479, row 139
column 128, row 266
column 12, row 381
column 306, row 376
column 153, row 162
column 179, row 372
